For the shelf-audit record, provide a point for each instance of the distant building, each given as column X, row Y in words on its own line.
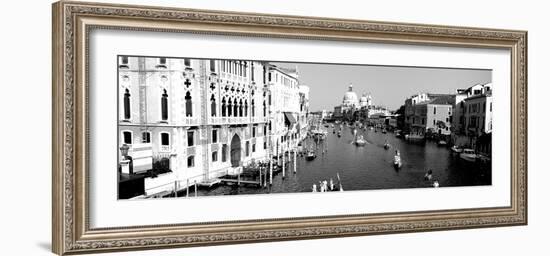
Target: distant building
column 429, row 114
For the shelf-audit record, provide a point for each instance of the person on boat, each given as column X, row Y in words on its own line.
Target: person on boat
column 436, row 184
column 314, row 188
column 428, row 175
column 331, row 184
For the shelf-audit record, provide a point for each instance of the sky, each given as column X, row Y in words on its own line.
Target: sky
column 389, row 86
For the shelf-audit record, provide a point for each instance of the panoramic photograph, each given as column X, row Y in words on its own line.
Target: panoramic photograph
column 192, row 127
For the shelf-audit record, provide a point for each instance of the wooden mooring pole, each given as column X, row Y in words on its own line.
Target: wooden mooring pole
column 283, row 164
column 187, row 194
column 175, row 188
column 294, row 160
column 260, row 174
column 196, row 188
column 270, row 170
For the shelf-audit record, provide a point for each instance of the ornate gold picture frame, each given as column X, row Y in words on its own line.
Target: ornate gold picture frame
column 72, row 23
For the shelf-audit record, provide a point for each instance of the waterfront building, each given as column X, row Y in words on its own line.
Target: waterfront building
column 429, row 114
column 337, row 113
column 193, row 120
column 473, row 123
column 288, row 106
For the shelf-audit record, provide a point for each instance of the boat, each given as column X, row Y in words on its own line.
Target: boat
column 384, row 131
column 310, row 155
column 397, row 161
column 456, row 149
column 360, row 141
column 386, row 146
column 442, row 143
column 414, row 137
column 339, row 133
column 468, row 155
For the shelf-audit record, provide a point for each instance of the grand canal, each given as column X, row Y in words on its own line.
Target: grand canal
column 368, row 167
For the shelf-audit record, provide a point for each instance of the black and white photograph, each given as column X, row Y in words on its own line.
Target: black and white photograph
column 192, row 127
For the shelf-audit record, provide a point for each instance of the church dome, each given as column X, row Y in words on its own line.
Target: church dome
column 365, row 100
column 350, row 98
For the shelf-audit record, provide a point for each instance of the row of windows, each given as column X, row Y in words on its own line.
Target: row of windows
column 161, row 62
column 283, row 79
column 163, row 105
column 165, row 137
column 230, row 108
column 476, row 108
column 191, row 159
column 233, row 67
column 435, row 110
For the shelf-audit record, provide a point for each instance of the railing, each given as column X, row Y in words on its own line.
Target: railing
column 164, row 148
column 191, row 120
column 259, row 119
column 230, row 120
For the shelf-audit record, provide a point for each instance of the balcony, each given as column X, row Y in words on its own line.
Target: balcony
column 228, row 120
column 191, row 121
column 164, row 148
column 259, row 119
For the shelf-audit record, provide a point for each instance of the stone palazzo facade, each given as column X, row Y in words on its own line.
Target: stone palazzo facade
column 199, row 119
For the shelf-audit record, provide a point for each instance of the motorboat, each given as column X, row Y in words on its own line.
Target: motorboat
column 456, row 149
column 414, row 137
column 398, row 133
column 310, row 155
column 360, row 141
column 468, row 155
column 397, row 161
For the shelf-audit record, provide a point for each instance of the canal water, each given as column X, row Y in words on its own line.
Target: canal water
column 369, row 167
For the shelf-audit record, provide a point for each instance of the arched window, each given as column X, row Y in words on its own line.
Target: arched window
column 241, row 108
column 245, row 108
column 127, row 137
column 265, row 109
column 191, row 161
column 127, row 104
column 229, row 108
column 253, row 110
column 235, row 108
column 164, row 105
column 188, row 105
column 213, row 105
column 223, row 107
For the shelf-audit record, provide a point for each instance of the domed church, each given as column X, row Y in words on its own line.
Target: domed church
column 350, row 99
